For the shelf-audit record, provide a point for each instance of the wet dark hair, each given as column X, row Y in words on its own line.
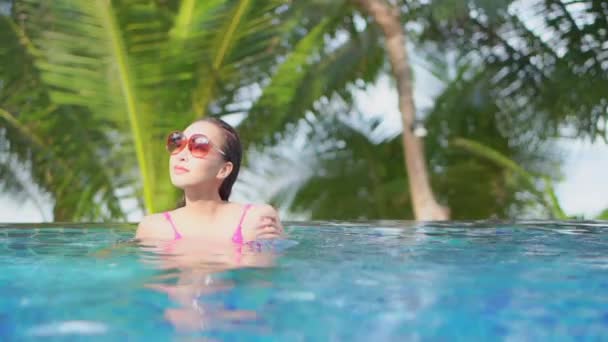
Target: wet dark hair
column 233, row 152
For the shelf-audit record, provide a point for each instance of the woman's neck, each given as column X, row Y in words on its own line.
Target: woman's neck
column 205, row 203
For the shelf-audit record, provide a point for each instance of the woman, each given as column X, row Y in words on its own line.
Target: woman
column 204, row 162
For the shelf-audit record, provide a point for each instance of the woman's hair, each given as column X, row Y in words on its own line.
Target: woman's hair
column 233, row 152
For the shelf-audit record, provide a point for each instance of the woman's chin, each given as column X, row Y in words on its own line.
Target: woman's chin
column 181, row 182
column 184, row 184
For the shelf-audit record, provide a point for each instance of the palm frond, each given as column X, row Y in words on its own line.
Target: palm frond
column 85, row 61
column 466, row 109
column 342, row 173
column 545, row 196
column 60, row 168
column 297, row 85
column 550, row 67
column 273, row 106
column 39, row 139
column 222, row 41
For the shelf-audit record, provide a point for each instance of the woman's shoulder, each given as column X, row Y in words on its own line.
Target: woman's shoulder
column 154, row 226
column 260, row 209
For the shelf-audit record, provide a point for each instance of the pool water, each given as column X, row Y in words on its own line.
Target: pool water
column 382, row 281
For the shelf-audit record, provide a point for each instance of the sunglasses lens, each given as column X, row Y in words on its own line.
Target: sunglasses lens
column 175, row 142
column 199, row 146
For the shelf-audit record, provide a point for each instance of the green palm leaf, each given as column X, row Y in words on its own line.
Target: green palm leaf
column 313, row 70
column 562, row 53
column 546, row 196
column 222, row 42
column 273, row 106
column 30, row 126
column 84, row 61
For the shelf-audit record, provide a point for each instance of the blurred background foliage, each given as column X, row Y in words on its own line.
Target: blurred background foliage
column 89, row 89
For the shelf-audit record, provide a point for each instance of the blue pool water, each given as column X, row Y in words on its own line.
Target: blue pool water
column 359, row 282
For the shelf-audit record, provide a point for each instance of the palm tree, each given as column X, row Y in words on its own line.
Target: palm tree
column 297, row 86
column 388, row 18
column 110, row 78
column 507, row 104
column 524, row 110
column 346, row 172
column 342, row 173
column 551, row 70
column 281, row 109
column 62, row 156
column 482, row 170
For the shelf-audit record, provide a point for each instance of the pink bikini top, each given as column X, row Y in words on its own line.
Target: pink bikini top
column 237, row 236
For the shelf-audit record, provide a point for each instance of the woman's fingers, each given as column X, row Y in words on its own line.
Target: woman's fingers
column 267, row 221
column 269, row 231
column 269, row 227
column 267, row 236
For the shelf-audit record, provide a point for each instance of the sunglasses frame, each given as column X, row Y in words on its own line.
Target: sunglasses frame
column 189, row 142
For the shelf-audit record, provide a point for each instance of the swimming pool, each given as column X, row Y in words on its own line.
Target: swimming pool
column 330, row 281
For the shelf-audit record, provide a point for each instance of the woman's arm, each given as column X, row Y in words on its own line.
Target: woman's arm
column 143, row 228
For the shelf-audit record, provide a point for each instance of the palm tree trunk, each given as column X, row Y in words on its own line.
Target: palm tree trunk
column 387, row 17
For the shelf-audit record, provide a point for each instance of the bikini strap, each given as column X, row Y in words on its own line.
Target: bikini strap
column 237, row 237
column 176, row 234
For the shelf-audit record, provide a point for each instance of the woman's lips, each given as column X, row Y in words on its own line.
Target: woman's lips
column 180, row 169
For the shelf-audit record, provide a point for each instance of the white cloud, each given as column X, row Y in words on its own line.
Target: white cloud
column 585, row 186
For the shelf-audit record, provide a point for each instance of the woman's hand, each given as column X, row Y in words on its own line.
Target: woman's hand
column 269, row 227
column 263, row 223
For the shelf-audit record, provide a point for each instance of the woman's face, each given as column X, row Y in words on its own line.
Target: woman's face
column 187, row 170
